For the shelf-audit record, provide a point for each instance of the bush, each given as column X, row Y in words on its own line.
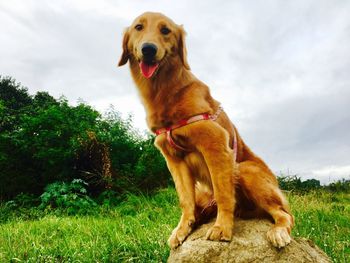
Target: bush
column 44, row 140
column 151, row 171
column 69, row 196
column 26, row 200
column 43, row 147
column 14, row 101
column 294, row 183
column 339, row 186
column 109, row 198
column 137, row 164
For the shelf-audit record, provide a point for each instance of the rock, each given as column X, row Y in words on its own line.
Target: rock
column 249, row 244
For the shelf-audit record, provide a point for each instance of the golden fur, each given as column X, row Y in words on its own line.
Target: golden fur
column 245, row 187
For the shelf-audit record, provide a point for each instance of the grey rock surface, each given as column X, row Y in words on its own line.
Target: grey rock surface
column 249, row 244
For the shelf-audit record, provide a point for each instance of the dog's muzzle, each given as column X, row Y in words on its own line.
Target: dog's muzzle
column 148, row 64
column 149, row 52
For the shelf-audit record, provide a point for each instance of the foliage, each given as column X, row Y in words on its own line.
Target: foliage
column 323, row 217
column 41, row 148
column 44, row 140
column 14, row 100
column 109, row 198
column 151, row 170
column 25, row 200
column 340, row 186
column 70, row 196
column 122, row 139
column 137, row 228
column 294, row 183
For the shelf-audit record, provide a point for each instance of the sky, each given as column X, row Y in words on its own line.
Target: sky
column 281, row 69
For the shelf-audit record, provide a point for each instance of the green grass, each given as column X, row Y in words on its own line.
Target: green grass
column 324, row 218
column 137, row 229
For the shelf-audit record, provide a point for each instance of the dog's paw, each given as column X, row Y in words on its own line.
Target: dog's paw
column 279, row 236
column 179, row 235
column 219, row 233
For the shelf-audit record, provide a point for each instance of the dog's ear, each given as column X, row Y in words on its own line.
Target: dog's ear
column 182, row 47
column 125, row 55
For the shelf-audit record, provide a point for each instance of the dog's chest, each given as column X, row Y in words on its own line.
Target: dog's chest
column 198, row 167
column 158, row 118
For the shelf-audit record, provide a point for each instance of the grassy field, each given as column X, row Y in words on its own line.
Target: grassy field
column 137, row 229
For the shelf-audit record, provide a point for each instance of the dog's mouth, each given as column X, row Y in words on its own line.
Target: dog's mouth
column 148, row 69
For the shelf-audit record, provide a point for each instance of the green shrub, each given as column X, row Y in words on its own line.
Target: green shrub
column 26, row 200
column 69, row 196
column 44, row 140
column 137, row 164
column 39, row 139
column 294, row 183
column 109, row 198
column 14, row 101
column 150, row 170
column 339, row 186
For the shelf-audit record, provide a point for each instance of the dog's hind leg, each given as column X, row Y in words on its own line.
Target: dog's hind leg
column 261, row 187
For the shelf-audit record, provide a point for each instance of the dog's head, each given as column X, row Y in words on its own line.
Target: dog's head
column 153, row 40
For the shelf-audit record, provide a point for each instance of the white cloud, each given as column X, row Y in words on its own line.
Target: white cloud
column 280, row 69
column 331, row 173
column 127, row 105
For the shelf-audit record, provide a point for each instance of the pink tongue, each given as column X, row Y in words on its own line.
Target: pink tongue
column 148, row 70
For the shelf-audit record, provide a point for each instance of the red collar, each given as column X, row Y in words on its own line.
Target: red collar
column 184, row 122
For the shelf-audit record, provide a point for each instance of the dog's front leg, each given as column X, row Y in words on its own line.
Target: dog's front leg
column 184, row 183
column 213, row 143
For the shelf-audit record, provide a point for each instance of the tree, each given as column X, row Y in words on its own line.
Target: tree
column 44, row 140
column 14, row 99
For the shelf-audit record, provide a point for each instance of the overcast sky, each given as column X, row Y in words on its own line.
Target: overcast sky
column 280, row 68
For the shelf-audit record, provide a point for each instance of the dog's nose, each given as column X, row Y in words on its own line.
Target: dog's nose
column 149, row 50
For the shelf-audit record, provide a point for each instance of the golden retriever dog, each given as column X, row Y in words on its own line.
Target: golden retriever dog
column 213, row 169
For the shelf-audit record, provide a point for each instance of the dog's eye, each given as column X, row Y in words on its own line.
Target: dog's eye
column 139, row 27
column 165, row 30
